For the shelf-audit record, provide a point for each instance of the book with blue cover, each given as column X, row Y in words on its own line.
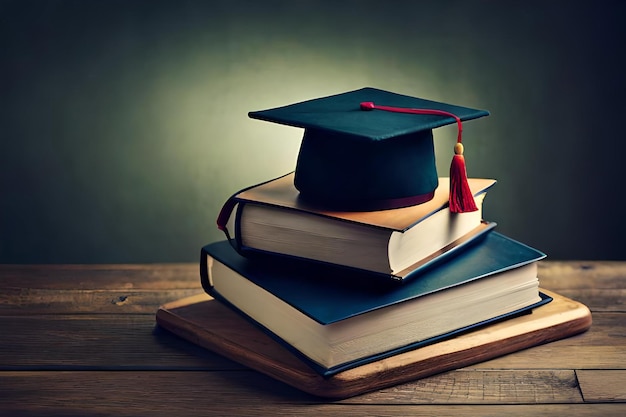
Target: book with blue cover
column 335, row 318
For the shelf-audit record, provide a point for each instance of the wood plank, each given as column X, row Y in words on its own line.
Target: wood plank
column 556, row 357
column 603, row 385
column 228, row 334
column 101, row 277
column 599, row 300
column 34, row 301
column 248, row 387
column 598, row 284
column 99, row 342
column 245, row 393
column 561, row 275
column 602, row 346
column 482, row 387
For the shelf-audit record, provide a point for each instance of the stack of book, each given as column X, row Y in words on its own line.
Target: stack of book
column 345, row 288
column 364, row 262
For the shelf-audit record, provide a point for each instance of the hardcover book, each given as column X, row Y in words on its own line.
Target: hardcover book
column 335, row 318
column 271, row 219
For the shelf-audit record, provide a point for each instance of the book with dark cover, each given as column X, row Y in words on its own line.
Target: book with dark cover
column 314, row 292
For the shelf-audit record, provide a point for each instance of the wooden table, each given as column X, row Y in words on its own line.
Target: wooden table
column 81, row 341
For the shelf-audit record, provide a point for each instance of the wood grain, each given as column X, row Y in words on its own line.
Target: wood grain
column 248, row 387
column 154, row 393
column 603, row 385
column 595, row 284
column 80, row 340
column 105, row 342
column 134, row 342
column 101, row 277
column 28, row 301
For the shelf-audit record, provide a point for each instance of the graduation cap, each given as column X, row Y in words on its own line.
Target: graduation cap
column 371, row 149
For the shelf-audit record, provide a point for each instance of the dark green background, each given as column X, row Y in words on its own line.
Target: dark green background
column 124, row 123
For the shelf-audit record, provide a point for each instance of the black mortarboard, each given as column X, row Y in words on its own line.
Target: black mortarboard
column 355, row 159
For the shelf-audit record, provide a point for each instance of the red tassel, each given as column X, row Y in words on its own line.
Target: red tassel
column 461, row 198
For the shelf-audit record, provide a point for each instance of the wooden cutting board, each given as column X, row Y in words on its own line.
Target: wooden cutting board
column 208, row 323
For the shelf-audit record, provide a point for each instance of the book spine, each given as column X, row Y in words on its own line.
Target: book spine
column 224, row 217
column 230, row 204
column 205, row 280
column 238, row 242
